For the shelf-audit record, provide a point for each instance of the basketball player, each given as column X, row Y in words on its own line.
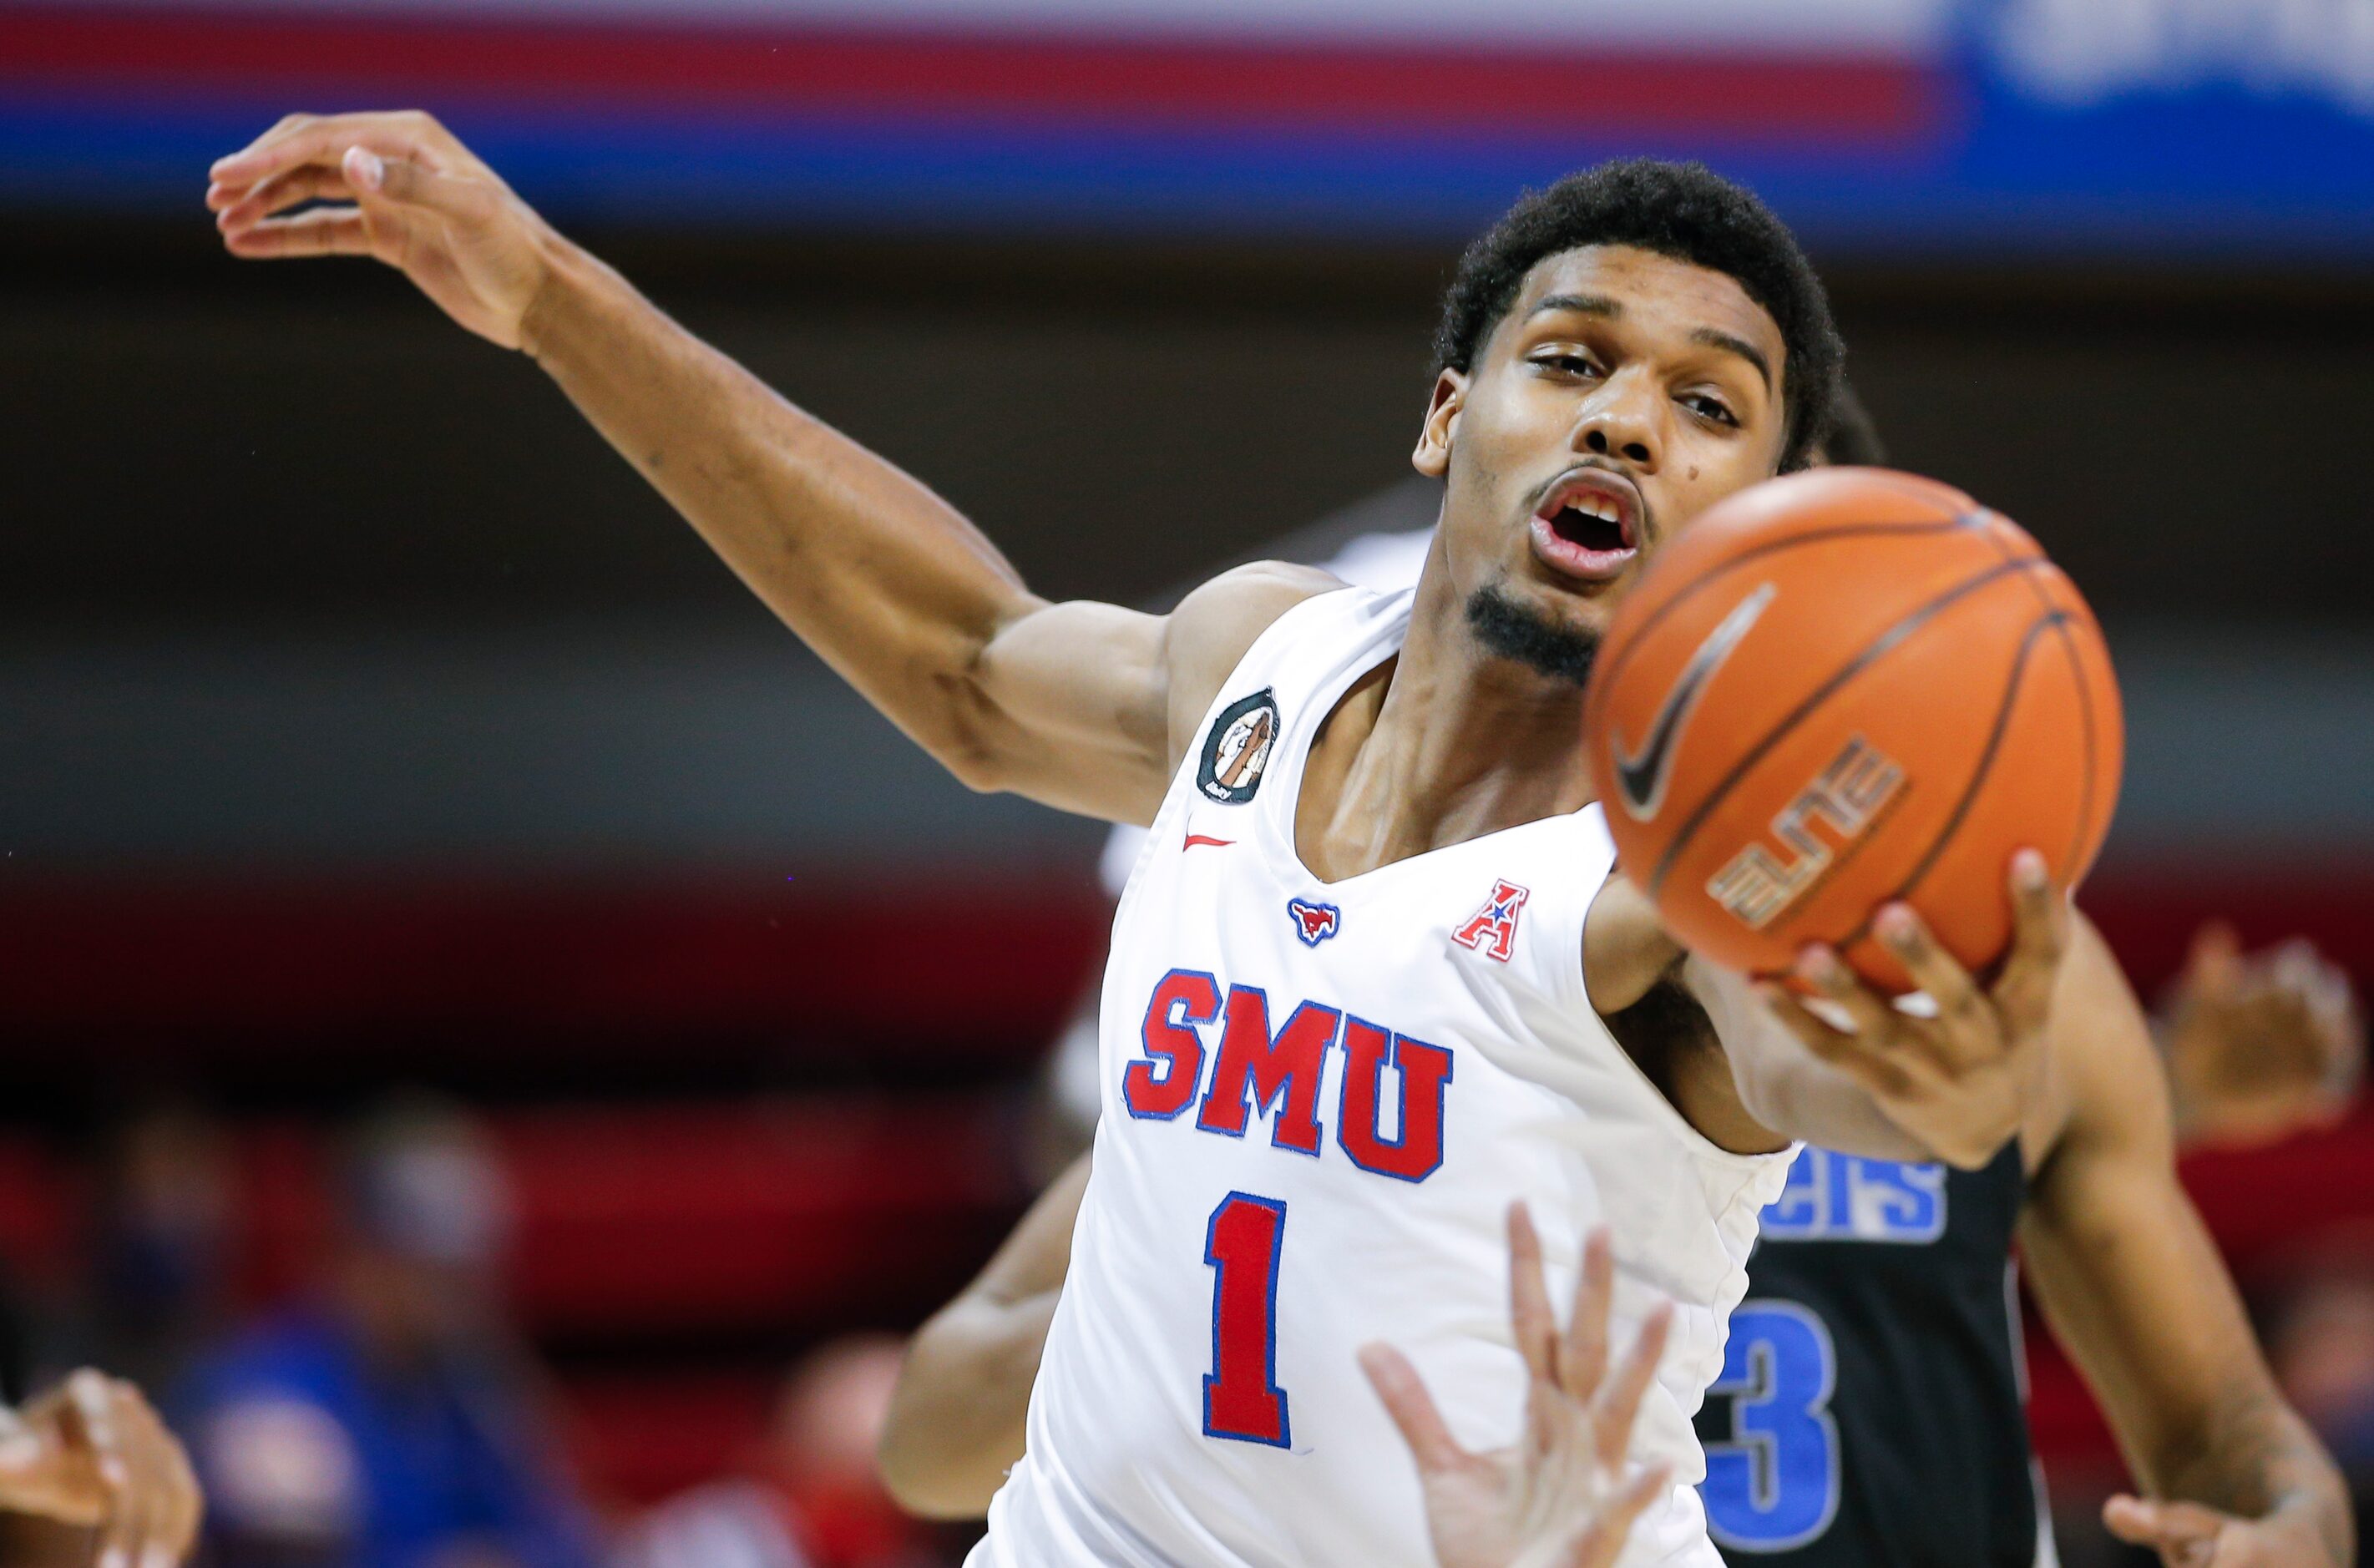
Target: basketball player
column 1869, row 1411
column 1398, row 904
column 90, row 1478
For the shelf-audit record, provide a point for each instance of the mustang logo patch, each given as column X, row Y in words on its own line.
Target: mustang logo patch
column 1314, row 923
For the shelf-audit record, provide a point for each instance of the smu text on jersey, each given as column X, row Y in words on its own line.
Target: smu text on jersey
column 1278, row 1074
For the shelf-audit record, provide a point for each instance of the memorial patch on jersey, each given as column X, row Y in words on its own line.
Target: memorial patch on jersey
column 1492, row 931
column 1236, row 749
column 1834, row 1197
column 1314, row 923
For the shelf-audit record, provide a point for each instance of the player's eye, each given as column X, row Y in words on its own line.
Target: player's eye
column 1709, row 408
column 1567, row 360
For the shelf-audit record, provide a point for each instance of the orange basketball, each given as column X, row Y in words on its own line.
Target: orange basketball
column 1844, row 688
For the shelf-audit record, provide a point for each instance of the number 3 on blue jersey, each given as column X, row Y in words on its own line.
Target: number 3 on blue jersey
column 1774, row 1487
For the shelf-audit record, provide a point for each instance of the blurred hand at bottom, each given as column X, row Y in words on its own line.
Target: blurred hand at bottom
column 92, row 1457
column 1561, row 1496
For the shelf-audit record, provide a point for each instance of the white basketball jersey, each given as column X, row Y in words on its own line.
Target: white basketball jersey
column 1318, row 1099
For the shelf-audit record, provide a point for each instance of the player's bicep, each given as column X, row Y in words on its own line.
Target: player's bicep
column 1088, row 706
column 1074, row 711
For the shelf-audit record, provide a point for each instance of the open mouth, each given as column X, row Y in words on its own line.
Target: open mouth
column 1589, row 525
column 1593, row 524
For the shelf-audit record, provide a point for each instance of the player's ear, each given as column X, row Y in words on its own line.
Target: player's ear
column 1432, row 455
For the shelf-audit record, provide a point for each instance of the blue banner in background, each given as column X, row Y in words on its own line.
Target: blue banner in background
column 2146, row 129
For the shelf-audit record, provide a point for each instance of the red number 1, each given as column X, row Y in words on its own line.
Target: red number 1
column 1241, row 1398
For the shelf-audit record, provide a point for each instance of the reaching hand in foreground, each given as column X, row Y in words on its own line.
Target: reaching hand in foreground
column 420, row 201
column 91, row 1454
column 1560, row 1497
column 1959, row 1081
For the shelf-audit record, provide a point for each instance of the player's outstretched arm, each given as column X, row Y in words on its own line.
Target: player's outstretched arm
column 2134, row 1288
column 1564, row 1496
column 956, row 1418
column 1756, row 1065
column 90, row 1454
column 905, row 599
column 1963, row 1080
column 1854, row 1071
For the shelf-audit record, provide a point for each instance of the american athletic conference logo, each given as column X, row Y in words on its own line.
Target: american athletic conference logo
column 1492, row 931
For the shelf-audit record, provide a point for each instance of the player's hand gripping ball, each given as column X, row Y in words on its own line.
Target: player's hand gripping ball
column 1841, row 688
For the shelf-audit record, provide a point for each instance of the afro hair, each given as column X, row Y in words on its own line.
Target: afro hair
column 1682, row 210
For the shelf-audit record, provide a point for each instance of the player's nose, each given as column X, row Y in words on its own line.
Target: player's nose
column 1620, row 422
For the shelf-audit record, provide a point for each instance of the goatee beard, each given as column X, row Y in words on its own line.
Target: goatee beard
column 1509, row 629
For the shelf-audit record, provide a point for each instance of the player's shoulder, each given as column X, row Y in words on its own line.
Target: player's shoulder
column 1626, row 952
column 1208, row 633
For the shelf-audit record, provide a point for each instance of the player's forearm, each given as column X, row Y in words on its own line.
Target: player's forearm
column 956, row 1419
column 2133, row 1287
column 888, row 582
column 1782, row 1086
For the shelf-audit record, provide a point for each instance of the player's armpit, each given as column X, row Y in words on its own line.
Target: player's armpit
column 956, row 1418
column 1782, row 1085
column 2133, row 1287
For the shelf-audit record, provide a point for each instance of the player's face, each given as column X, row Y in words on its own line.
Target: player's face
column 1623, row 394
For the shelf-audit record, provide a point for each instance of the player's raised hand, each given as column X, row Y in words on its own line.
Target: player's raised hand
column 1561, row 1497
column 92, row 1454
column 1959, row 1081
column 420, row 201
column 2259, row 1045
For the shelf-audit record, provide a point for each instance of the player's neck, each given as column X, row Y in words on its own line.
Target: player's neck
column 1442, row 744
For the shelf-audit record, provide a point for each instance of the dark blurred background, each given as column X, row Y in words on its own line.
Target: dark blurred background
column 366, row 728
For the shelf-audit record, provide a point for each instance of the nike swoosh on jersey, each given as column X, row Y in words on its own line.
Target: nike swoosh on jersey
column 1195, row 839
column 1640, row 777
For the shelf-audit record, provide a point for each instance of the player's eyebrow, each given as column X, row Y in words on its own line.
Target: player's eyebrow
column 1715, row 337
column 1580, row 304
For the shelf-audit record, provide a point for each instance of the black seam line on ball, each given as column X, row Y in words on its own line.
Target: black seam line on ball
column 1820, row 537
column 2036, row 628
column 1872, row 653
column 2084, row 707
